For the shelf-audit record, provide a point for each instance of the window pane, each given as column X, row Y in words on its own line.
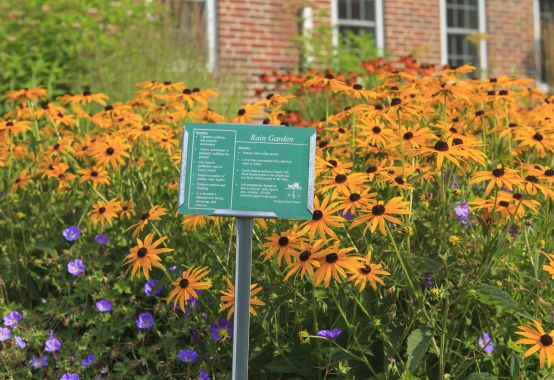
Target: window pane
column 342, row 9
column 355, row 6
column 344, row 29
column 462, row 14
column 461, row 51
column 369, row 10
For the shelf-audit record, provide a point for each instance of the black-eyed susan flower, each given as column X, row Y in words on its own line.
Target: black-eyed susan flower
column 550, row 266
column 104, row 212
column 96, row 175
column 282, row 244
column 306, row 258
column 146, row 255
column 381, row 212
column 155, row 213
column 498, row 177
column 187, row 286
column 367, row 271
column 228, row 298
column 334, row 265
column 111, row 151
column 322, row 220
column 534, row 334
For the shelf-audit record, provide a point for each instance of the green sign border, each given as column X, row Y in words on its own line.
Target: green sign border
column 240, row 213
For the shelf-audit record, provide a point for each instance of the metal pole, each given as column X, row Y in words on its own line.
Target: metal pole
column 243, row 269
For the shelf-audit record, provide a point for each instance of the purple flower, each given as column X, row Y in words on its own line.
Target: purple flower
column 104, row 306
column 346, row 214
column 101, row 239
column 20, row 342
column 188, row 356
column 330, row 334
column 5, row 334
column 222, row 331
column 12, row 318
column 194, row 335
column 173, row 268
column 528, row 223
column 72, row 233
column 145, row 321
column 150, row 288
column 462, row 213
column 76, row 267
column 204, row 375
column 428, row 280
column 69, row 376
column 40, row 362
column 485, row 343
column 88, row 360
column 52, row 345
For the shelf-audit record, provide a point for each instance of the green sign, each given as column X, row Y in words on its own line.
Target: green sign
column 247, row 170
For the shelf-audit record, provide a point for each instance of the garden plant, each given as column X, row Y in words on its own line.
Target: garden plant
column 428, row 255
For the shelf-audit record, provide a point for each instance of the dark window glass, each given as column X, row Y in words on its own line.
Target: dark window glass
column 343, row 6
column 462, row 20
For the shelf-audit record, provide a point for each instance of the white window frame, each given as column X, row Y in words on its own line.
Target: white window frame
column 538, row 49
column 211, row 34
column 378, row 24
column 482, row 28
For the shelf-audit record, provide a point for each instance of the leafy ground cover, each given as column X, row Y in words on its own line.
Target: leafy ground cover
column 428, row 256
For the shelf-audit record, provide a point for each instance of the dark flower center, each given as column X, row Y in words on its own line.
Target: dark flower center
column 371, row 169
column 532, row 179
column 366, row 269
column 517, row 196
column 479, row 113
column 323, row 144
column 378, row 107
column 110, row 151
column 86, row 93
column 125, row 208
column 331, row 258
column 503, row 203
column 18, row 180
column 498, row 172
column 145, row 127
column 108, row 108
column 187, row 91
column 408, row 135
column 453, row 130
column 537, row 137
column 378, row 210
column 493, row 80
column 549, row 172
column 333, row 163
column 399, row 180
column 503, row 92
column 441, row 146
column 184, row 283
column 57, row 146
column 9, row 124
column 354, row 197
column 167, row 83
column 341, row 130
column 395, row 102
column 269, row 96
column 340, row 178
column 102, row 210
column 305, row 255
column 329, row 76
column 376, row 130
column 546, row 340
column 317, row 215
column 283, row 241
column 94, row 173
column 241, row 112
column 195, row 89
column 457, row 141
column 145, row 216
column 491, row 93
column 142, row 252
column 357, row 87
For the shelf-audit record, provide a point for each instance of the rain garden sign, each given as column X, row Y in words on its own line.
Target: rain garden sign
column 246, row 171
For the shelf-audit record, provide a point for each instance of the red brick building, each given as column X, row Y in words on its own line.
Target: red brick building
column 254, row 36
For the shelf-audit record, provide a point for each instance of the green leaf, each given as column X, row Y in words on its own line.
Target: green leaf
column 492, row 295
column 418, row 343
column 481, row 376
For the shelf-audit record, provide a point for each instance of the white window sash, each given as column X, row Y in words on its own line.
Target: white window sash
column 211, row 34
column 378, row 24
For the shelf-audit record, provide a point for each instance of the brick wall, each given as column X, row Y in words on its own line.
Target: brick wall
column 413, row 26
column 510, row 43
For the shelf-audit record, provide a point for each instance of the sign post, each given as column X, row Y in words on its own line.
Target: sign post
column 246, row 171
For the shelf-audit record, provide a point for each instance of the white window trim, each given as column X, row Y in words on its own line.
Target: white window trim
column 378, row 24
column 538, row 51
column 211, row 33
column 307, row 28
column 482, row 29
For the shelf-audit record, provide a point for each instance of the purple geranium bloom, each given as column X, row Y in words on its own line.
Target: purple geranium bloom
column 88, row 360
column 145, row 320
column 485, row 343
column 69, row 376
column 72, row 233
column 104, row 306
column 101, row 239
column 346, row 214
column 188, row 356
column 12, row 318
column 222, row 331
column 150, row 288
column 330, row 334
column 39, row 362
column 172, row 268
column 20, row 342
column 5, row 334
column 52, row 345
column 428, row 280
column 204, row 375
column 76, row 267
column 462, row 213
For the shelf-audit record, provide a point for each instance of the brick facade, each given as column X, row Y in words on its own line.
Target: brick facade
column 254, row 36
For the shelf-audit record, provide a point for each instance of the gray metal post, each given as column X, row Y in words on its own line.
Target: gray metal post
column 243, row 270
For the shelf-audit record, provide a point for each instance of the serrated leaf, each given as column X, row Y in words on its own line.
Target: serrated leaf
column 418, row 343
column 492, row 295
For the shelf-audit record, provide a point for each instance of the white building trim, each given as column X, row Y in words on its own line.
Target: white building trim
column 380, row 27
column 307, row 28
column 211, row 33
column 483, row 42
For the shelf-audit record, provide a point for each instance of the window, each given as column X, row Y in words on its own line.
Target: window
column 361, row 16
column 463, row 19
column 546, row 12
